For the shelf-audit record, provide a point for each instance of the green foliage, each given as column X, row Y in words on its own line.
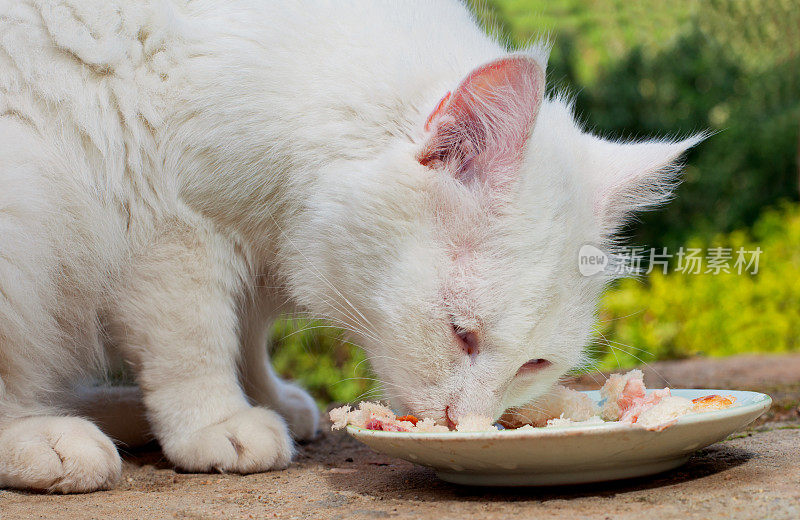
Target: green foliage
column 699, row 83
column 590, row 35
column 321, row 359
column 681, row 315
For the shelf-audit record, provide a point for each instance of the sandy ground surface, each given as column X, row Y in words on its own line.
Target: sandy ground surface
column 753, row 474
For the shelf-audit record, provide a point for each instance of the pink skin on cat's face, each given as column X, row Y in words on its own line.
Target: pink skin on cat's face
column 458, row 266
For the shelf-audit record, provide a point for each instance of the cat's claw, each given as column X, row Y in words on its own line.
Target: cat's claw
column 250, row 441
column 58, row 455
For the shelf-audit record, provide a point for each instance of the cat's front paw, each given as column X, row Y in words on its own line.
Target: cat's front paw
column 299, row 409
column 57, row 454
column 250, row 441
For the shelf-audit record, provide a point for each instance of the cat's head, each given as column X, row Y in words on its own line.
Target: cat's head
column 454, row 255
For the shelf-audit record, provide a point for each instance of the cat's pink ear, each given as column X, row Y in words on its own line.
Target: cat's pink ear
column 478, row 131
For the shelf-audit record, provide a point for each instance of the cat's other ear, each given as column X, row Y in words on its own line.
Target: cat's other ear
column 477, row 132
column 631, row 177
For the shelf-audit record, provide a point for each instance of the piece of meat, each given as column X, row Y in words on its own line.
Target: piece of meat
column 375, row 416
column 664, row 413
column 386, row 426
column 474, row 423
column 627, row 400
column 712, row 402
column 559, row 402
column 632, row 405
column 620, row 391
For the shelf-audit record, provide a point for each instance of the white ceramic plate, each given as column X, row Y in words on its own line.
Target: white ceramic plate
column 568, row 454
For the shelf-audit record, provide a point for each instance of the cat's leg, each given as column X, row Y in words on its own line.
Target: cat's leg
column 176, row 320
column 39, row 448
column 263, row 385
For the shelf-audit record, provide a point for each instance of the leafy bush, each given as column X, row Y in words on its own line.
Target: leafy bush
column 681, row 315
column 698, row 84
column 320, row 358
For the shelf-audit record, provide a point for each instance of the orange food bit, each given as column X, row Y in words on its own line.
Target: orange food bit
column 410, row 418
column 713, row 402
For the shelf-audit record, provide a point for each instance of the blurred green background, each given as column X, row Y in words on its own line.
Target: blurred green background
column 653, row 68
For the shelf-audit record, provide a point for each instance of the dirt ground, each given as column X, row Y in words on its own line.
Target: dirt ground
column 753, row 474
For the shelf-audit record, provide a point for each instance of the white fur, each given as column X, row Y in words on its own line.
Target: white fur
column 172, row 173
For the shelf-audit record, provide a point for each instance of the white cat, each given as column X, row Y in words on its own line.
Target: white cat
column 174, row 174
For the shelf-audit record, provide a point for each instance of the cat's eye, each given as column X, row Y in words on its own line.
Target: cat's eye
column 534, row 365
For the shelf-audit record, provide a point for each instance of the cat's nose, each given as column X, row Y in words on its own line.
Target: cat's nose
column 468, row 341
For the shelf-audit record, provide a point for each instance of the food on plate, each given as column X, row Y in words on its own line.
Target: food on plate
column 563, row 421
column 709, row 403
column 374, row 416
column 559, row 403
column 475, row 423
column 624, row 399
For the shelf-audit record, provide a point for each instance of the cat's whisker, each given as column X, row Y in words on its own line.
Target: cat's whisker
column 645, row 351
column 645, row 363
column 334, row 323
column 306, row 329
column 619, row 365
column 596, row 371
column 323, row 278
column 355, row 327
column 392, row 358
column 356, row 323
column 366, row 379
column 617, row 318
column 347, row 326
column 400, row 363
